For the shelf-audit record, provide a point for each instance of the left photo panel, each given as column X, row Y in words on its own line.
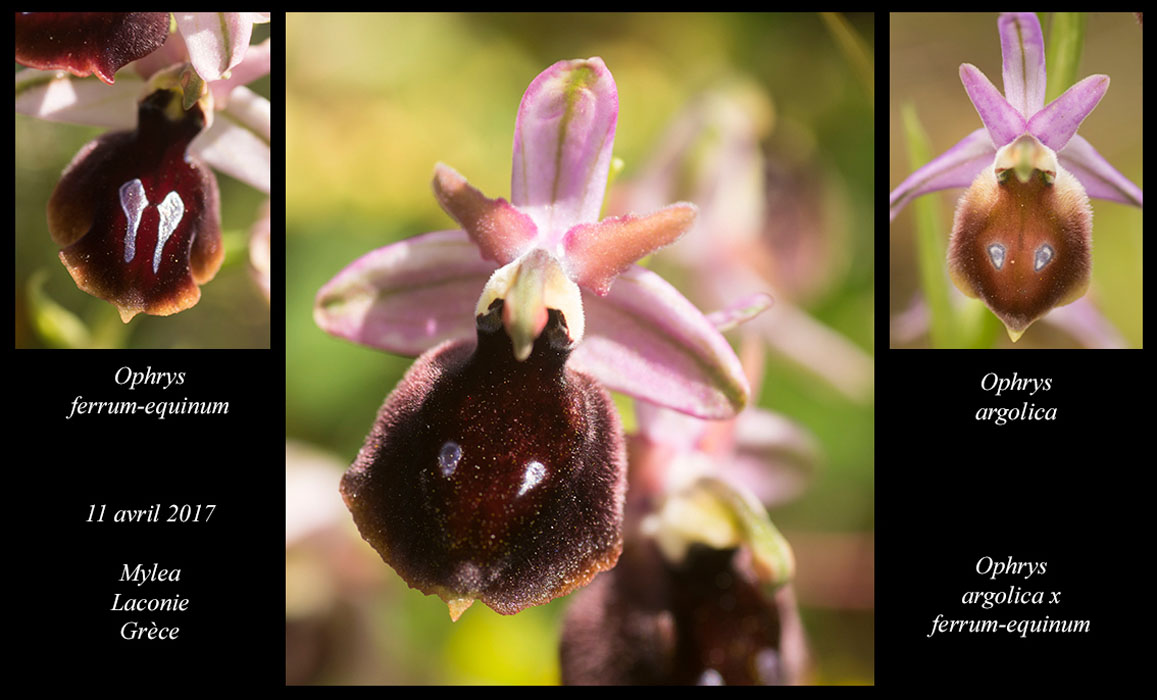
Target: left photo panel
column 146, row 349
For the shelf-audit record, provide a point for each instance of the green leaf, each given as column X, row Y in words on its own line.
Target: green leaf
column 930, row 239
column 855, row 49
column 978, row 327
column 57, row 326
column 1063, row 52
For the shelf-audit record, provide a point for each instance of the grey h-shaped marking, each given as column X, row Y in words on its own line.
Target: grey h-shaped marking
column 133, row 202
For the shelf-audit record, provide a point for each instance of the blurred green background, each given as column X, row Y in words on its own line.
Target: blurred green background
column 373, row 102
column 925, row 55
column 232, row 312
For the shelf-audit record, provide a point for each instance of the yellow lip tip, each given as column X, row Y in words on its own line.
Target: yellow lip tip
column 458, row 606
column 1014, row 335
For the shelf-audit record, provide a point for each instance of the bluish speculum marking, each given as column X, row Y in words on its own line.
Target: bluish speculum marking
column 996, row 255
column 449, row 457
column 133, row 202
column 1044, row 255
column 171, row 210
column 535, row 470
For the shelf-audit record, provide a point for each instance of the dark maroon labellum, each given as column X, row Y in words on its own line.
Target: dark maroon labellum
column 648, row 622
column 84, row 43
column 492, row 479
column 137, row 217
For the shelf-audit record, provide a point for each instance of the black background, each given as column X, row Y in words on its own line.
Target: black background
column 952, row 489
column 64, row 585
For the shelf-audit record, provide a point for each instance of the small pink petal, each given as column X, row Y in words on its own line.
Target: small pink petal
column 1100, row 179
column 956, row 167
column 1023, row 48
column 645, row 339
column 407, row 297
column 597, row 253
column 1003, row 121
column 499, row 229
column 563, row 139
column 1058, row 122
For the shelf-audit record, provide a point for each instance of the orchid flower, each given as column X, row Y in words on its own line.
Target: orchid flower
column 496, row 470
column 546, row 249
column 1023, row 244
column 136, row 213
column 717, row 606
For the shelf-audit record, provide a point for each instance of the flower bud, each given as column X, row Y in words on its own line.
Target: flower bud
column 1022, row 236
column 494, row 479
column 705, row 620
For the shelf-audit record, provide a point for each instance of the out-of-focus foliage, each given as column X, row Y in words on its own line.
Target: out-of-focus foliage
column 925, row 56
column 373, row 102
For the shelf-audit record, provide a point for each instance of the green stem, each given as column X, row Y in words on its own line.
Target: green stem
column 1063, row 52
column 930, row 250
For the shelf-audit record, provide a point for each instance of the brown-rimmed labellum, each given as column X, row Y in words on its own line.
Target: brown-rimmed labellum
column 86, row 43
column 1022, row 236
column 137, row 217
column 494, row 479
